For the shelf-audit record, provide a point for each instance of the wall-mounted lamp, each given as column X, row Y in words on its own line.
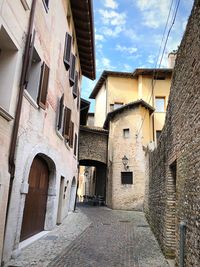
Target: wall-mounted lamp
column 125, row 162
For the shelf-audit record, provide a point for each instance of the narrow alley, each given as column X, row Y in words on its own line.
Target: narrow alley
column 96, row 237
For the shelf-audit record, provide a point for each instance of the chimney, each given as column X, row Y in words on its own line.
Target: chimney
column 172, row 59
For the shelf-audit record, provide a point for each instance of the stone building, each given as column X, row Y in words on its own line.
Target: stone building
column 173, row 188
column 133, row 117
column 42, row 60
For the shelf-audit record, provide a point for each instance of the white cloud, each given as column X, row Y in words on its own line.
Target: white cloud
column 99, row 37
column 154, row 12
column 110, row 4
column 131, row 34
column 112, row 17
column 151, row 59
column 127, row 67
column 104, row 63
column 112, row 32
column 114, row 22
column 128, row 50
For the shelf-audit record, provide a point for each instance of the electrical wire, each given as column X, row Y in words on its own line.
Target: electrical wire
column 161, row 58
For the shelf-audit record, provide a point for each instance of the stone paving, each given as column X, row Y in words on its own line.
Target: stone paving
column 106, row 238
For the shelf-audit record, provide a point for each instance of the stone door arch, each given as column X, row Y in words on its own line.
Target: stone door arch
column 36, row 200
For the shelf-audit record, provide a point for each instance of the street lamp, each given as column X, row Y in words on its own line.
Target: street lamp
column 125, row 162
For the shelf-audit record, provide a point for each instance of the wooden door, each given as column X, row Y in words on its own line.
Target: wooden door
column 36, row 199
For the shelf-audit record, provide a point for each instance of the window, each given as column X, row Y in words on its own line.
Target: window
column 67, row 50
column 173, row 168
column 66, row 124
column 117, row 105
column 161, row 78
column 126, row 133
column 71, row 134
column 160, row 104
column 75, row 86
column 32, row 79
column 60, row 113
column 8, row 60
column 75, row 144
column 127, row 177
column 158, row 133
column 43, row 88
column 46, row 4
column 72, row 70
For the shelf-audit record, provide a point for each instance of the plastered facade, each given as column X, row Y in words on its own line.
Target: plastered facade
column 37, row 131
column 126, row 196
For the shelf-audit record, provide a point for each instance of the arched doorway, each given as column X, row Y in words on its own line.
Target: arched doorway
column 72, row 195
column 36, row 199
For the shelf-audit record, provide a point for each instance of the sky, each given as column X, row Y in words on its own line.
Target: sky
column 128, row 35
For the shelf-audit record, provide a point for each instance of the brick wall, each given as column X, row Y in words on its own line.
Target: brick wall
column 171, row 199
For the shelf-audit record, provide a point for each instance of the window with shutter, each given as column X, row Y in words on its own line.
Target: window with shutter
column 67, row 51
column 30, row 58
column 75, row 144
column 60, row 114
column 75, row 87
column 72, row 70
column 46, row 4
column 71, row 138
column 66, row 125
column 78, row 98
column 43, row 88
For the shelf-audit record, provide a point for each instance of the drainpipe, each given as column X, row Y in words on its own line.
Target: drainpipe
column 182, row 228
column 19, row 107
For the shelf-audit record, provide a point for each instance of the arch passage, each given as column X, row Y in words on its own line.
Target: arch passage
column 36, row 199
column 93, row 144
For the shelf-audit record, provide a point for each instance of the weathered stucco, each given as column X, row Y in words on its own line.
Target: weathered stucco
column 38, row 134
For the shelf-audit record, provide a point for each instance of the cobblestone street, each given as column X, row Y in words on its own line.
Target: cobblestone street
column 101, row 238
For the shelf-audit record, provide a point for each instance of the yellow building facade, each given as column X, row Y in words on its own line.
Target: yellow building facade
column 132, row 107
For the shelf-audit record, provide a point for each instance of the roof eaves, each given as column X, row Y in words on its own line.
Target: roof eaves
column 112, row 114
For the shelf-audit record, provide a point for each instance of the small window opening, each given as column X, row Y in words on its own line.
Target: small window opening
column 160, row 104
column 126, row 133
column 127, row 177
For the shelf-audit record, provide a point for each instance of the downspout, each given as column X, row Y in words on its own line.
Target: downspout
column 13, row 142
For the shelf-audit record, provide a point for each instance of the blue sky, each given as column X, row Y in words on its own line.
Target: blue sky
column 128, row 34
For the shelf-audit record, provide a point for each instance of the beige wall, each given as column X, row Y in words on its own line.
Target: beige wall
column 13, row 25
column 120, row 196
column 125, row 90
column 100, row 107
column 37, row 131
column 121, row 90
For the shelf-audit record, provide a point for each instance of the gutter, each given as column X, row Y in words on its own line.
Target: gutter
column 22, row 85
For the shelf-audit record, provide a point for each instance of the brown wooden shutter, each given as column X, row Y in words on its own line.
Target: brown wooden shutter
column 75, row 144
column 43, row 88
column 67, row 51
column 78, row 98
column 71, row 138
column 30, row 57
column 66, row 125
column 72, row 70
column 75, row 87
column 60, row 115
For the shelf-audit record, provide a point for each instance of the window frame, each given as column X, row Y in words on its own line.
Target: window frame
column 46, row 5
column 128, row 130
column 122, row 178
column 67, row 51
column 164, row 106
